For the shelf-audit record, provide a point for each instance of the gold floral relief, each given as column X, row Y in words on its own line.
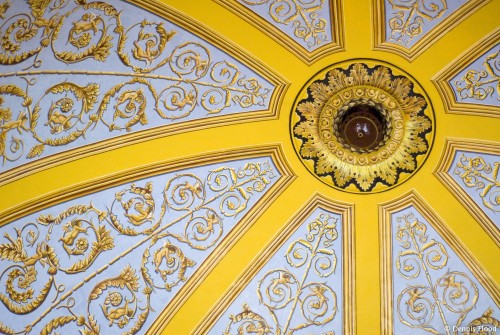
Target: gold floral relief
column 357, row 126
column 77, row 73
column 97, row 265
column 469, row 170
column 482, row 176
column 483, row 83
column 429, row 282
column 470, row 83
column 305, row 285
column 309, row 29
column 408, row 28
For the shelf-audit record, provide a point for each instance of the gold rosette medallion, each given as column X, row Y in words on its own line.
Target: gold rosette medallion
column 362, row 126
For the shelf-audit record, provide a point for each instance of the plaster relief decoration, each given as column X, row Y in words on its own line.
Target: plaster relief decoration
column 303, row 286
column 430, row 283
column 118, row 260
column 409, row 27
column 76, row 73
column 470, row 170
column 471, row 83
column 362, row 126
column 309, row 29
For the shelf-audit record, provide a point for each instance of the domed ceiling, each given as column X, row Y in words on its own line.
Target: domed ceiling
column 249, row 167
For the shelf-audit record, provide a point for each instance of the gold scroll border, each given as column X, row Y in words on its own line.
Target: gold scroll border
column 192, row 26
column 452, row 145
column 380, row 42
column 441, row 80
column 412, row 198
column 308, row 57
column 274, row 151
column 316, row 201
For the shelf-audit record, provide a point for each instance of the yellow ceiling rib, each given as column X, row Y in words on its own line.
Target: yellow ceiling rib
column 92, row 186
column 476, row 147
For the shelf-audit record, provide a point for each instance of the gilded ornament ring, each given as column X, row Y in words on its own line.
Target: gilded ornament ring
column 362, row 126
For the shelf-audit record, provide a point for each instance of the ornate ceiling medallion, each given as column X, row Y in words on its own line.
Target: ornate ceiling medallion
column 362, row 126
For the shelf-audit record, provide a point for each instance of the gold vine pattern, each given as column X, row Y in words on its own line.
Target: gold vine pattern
column 286, row 294
column 303, row 16
column 410, row 18
column 478, row 174
column 42, row 256
column 479, row 84
column 432, row 301
column 170, row 77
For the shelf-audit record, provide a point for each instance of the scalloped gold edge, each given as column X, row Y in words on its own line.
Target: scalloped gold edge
column 168, row 13
column 452, row 145
column 316, row 201
column 386, row 275
column 308, row 57
column 370, row 62
column 441, row 80
column 380, row 43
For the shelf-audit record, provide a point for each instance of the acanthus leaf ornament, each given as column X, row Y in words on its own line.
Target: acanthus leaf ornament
column 362, row 126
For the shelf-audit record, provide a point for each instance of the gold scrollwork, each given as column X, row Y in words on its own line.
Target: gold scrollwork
column 285, row 292
column 407, row 23
column 476, row 173
column 479, row 84
column 73, row 240
column 190, row 79
column 303, row 16
column 452, row 294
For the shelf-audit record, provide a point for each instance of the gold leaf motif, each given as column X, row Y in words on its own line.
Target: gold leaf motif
column 37, row 150
column 11, row 252
column 57, row 323
column 401, row 116
column 6, row 330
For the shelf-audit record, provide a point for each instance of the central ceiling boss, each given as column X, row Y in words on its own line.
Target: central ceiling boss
column 362, row 126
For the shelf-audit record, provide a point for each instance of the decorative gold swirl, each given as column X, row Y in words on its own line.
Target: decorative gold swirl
column 303, row 16
column 417, row 305
column 60, row 245
column 286, row 292
column 277, row 289
column 476, row 173
column 9, row 123
column 185, row 192
column 479, row 84
column 135, row 206
column 409, row 18
column 248, row 322
column 318, row 305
